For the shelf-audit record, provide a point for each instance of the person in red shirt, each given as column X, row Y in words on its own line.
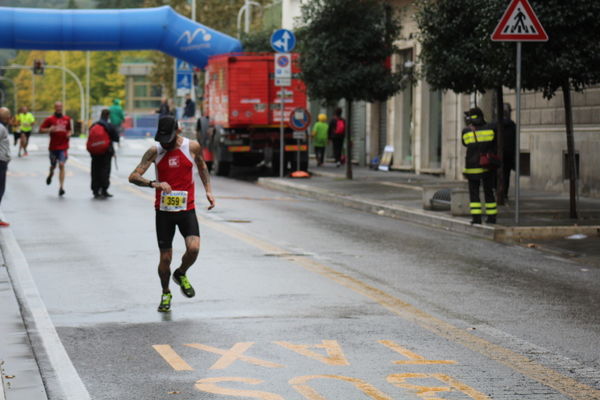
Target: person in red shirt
column 59, row 127
column 174, row 157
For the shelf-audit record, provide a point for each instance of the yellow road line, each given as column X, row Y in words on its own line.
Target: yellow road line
column 527, row 367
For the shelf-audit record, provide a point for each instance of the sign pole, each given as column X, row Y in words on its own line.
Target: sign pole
column 298, row 155
column 519, row 24
column 518, row 136
column 281, row 136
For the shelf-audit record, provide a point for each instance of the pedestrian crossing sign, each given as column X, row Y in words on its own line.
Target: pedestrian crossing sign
column 519, row 24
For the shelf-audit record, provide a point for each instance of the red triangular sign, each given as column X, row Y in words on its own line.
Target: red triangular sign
column 519, row 24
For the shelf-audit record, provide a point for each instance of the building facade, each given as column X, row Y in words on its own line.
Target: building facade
column 141, row 96
column 424, row 127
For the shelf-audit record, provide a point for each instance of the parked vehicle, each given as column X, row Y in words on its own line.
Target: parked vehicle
column 244, row 110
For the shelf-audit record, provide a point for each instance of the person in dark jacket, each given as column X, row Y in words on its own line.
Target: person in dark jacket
column 509, row 134
column 337, row 132
column 479, row 138
column 101, row 162
column 190, row 107
column 163, row 109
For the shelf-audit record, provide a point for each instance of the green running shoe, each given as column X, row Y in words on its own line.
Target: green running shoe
column 184, row 284
column 165, row 302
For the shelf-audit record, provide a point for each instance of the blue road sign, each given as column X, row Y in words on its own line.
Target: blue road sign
column 184, row 81
column 183, row 67
column 283, row 41
column 300, row 119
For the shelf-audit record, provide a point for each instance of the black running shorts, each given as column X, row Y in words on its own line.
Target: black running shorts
column 166, row 222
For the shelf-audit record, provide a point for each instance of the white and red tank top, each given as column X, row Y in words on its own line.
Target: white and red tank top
column 176, row 167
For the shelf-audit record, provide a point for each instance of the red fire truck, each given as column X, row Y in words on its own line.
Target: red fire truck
column 243, row 106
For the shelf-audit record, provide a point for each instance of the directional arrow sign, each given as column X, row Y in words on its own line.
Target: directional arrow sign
column 283, row 41
column 519, row 24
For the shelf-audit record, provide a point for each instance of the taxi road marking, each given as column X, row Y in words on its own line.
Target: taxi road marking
column 172, row 358
column 413, row 359
column 335, row 355
column 233, row 354
column 527, row 367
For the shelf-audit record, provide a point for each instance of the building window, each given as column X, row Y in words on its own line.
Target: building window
column 406, row 59
column 146, row 103
column 140, row 90
column 144, row 94
column 435, row 129
column 525, row 164
column 155, row 91
column 566, row 169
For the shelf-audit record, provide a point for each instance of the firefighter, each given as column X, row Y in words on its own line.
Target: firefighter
column 479, row 138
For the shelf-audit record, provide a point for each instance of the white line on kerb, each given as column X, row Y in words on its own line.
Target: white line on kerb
column 38, row 321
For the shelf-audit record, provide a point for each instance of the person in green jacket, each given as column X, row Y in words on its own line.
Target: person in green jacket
column 320, row 134
column 117, row 116
column 25, row 122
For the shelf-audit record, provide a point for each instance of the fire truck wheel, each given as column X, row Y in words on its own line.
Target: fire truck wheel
column 274, row 171
column 222, row 168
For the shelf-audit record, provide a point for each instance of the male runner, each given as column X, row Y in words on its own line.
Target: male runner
column 59, row 127
column 174, row 157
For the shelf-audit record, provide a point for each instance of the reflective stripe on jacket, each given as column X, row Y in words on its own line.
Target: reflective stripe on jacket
column 480, row 141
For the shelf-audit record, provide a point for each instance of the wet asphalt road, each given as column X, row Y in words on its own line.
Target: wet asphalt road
column 297, row 298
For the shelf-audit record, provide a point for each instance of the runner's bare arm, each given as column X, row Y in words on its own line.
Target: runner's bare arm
column 147, row 159
column 196, row 150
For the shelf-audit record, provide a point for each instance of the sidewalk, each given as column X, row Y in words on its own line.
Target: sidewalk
column 543, row 217
column 28, row 338
column 20, row 378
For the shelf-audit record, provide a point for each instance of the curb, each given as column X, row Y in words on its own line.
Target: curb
column 498, row 233
column 527, row 233
column 20, row 376
column 405, row 213
column 49, row 351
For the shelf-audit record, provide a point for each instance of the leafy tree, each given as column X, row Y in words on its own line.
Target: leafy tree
column 105, row 81
column 258, row 41
column 457, row 52
column 569, row 61
column 117, row 4
column 344, row 47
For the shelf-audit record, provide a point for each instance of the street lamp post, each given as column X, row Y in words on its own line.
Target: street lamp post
column 64, row 69
column 246, row 8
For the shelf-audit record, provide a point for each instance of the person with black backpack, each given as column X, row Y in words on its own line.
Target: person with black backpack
column 99, row 145
column 337, row 132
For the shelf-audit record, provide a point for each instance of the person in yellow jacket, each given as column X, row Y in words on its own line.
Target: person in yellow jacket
column 25, row 122
column 479, row 138
column 320, row 134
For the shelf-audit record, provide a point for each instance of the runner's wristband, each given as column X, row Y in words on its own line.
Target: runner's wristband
column 150, row 183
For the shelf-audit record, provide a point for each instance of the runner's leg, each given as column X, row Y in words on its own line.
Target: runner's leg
column 61, row 174
column 27, row 141
column 164, row 269
column 192, row 248
column 22, row 143
column 189, row 229
column 53, row 161
column 165, row 231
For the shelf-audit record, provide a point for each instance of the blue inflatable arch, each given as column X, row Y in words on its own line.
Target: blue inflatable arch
column 158, row 28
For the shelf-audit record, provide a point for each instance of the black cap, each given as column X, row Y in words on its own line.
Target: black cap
column 167, row 129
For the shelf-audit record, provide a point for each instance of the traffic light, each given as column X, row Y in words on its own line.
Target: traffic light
column 38, row 66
